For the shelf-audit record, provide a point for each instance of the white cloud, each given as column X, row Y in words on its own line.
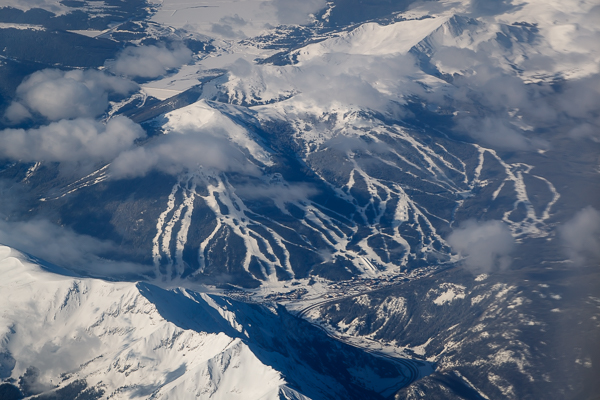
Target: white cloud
column 485, row 245
column 495, row 103
column 334, row 80
column 16, row 112
column 498, row 133
column 80, row 141
column 581, row 236
column 587, row 130
column 278, row 192
column 149, row 61
column 358, row 80
column 48, row 5
column 57, row 94
column 490, row 7
column 227, row 31
column 65, row 248
column 183, row 151
column 241, row 68
column 296, row 12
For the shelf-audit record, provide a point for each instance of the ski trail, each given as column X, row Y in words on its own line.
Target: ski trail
column 238, row 219
column 30, row 171
column 531, row 225
column 189, row 196
column 555, row 197
column 156, row 247
column 91, row 179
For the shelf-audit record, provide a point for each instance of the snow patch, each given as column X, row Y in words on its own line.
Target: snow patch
column 452, row 292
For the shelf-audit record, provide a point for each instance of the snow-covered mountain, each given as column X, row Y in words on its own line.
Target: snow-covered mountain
column 418, row 180
column 67, row 336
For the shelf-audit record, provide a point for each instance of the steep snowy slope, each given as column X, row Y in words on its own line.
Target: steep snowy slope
column 374, row 39
column 63, row 334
